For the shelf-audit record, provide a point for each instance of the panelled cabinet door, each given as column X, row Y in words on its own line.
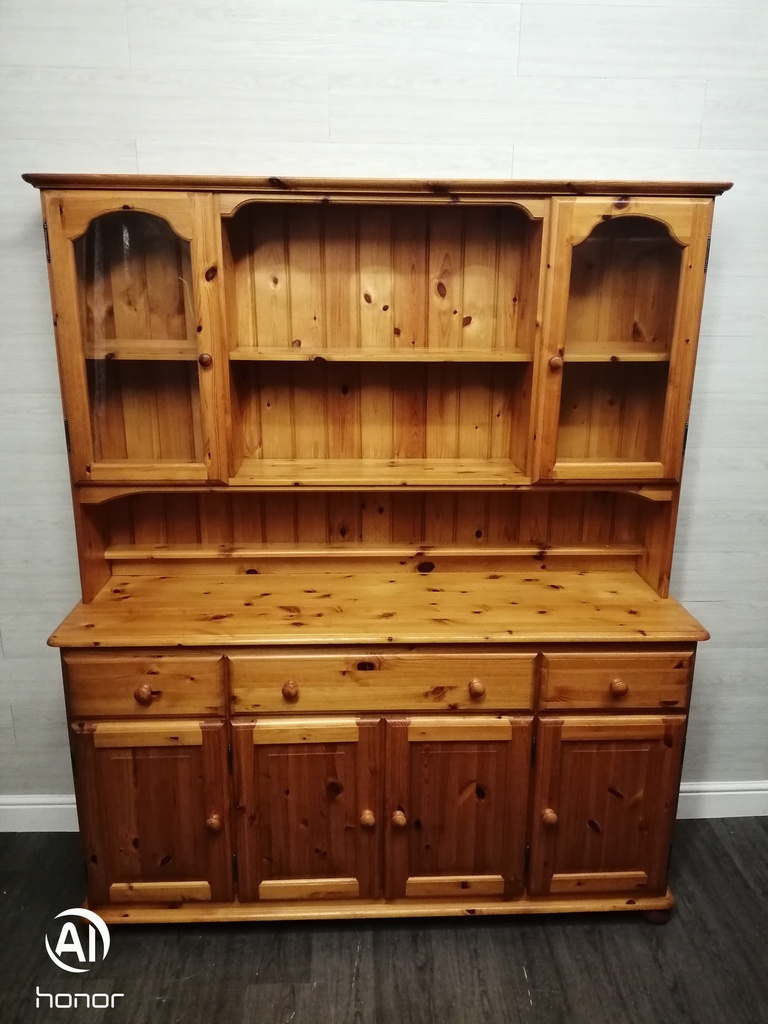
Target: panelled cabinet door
column 621, row 326
column 604, row 804
column 308, row 816
column 135, row 289
column 455, row 806
column 154, row 810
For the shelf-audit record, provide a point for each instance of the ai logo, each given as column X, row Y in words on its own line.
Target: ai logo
column 69, row 941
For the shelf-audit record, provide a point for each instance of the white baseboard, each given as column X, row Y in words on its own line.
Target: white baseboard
column 723, row 799
column 40, row 812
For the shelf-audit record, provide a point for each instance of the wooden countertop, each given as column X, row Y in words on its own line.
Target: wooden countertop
column 368, row 608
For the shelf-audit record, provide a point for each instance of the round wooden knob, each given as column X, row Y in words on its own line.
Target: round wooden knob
column 143, row 694
column 548, row 816
column 619, row 688
column 290, row 690
column 213, row 824
column 476, row 689
column 556, row 363
column 399, row 820
column 205, row 360
column 367, row 819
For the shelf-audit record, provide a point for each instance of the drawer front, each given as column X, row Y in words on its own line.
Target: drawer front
column 390, row 682
column 144, row 684
column 618, row 680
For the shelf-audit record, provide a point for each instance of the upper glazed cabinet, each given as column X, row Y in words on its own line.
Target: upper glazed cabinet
column 134, row 304
column 245, row 340
column 620, row 333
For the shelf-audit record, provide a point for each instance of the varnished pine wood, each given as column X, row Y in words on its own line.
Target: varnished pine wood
column 374, row 186
column 306, row 420
column 144, row 794
column 376, row 682
column 616, row 680
column 177, row 685
column 158, row 892
column 610, row 783
column 378, row 608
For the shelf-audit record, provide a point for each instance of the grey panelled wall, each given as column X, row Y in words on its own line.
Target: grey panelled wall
column 398, row 88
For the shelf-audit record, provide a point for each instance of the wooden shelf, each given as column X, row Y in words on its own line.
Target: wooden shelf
column 380, row 355
column 379, row 474
column 370, row 608
column 617, row 356
column 139, row 349
column 231, row 552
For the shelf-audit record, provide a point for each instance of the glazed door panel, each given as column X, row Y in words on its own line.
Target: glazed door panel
column 455, row 805
column 154, row 810
column 308, row 808
column 139, row 331
column 604, row 805
column 621, row 328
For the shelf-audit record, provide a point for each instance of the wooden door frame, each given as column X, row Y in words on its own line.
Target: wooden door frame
column 516, row 731
column 668, row 732
column 210, row 736
column 285, row 731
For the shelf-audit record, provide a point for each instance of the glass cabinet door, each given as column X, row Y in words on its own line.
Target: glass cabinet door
column 626, row 280
column 132, row 283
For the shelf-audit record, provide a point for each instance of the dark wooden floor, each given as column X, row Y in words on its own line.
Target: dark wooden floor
column 708, row 965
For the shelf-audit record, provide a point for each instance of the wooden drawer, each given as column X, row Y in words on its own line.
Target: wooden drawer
column 621, row 679
column 144, row 684
column 388, row 682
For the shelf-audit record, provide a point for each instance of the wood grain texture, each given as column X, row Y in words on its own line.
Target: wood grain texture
column 375, row 682
column 116, row 685
column 604, row 802
column 543, row 606
column 612, row 681
column 144, row 805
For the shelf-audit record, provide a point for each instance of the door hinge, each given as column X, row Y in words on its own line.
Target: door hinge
column 685, row 438
column 47, row 243
column 66, row 434
column 234, row 866
column 706, row 257
column 229, row 758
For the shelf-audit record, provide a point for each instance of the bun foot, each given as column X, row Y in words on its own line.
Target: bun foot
column 657, row 916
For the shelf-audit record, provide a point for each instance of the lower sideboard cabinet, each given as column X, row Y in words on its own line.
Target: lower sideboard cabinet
column 154, row 807
column 417, row 807
column 538, row 780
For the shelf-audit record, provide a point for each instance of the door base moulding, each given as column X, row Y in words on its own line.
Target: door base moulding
column 46, row 812
column 313, row 910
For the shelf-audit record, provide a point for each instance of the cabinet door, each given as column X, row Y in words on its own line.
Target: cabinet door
column 153, row 799
column 308, row 808
column 456, row 795
column 604, row 804
column 134, row 281
column 622, row 320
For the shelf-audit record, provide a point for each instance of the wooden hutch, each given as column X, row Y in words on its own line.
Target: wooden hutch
column 375, row 488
